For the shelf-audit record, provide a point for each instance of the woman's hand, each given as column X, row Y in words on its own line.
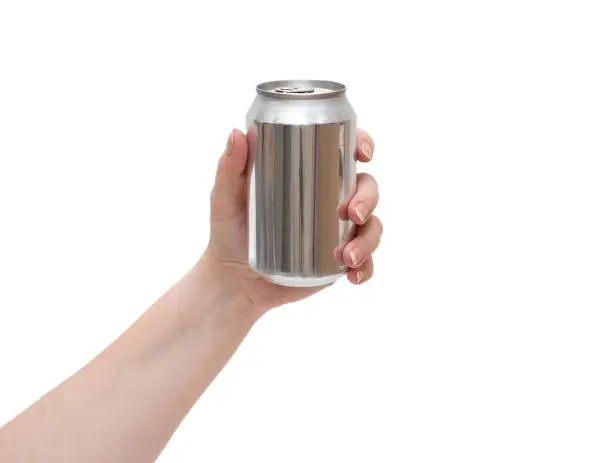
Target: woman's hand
column 128, row 401
column 226, row 255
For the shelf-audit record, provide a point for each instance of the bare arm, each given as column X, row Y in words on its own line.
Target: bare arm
column 125, row 404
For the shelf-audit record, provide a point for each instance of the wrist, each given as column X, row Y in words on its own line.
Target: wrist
column 226, row 291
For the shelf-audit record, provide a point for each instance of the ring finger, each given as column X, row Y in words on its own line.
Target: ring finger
column 365, row 243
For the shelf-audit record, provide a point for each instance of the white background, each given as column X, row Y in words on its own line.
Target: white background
column 486, row 334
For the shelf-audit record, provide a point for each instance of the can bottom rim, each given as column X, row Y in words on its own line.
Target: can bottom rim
column 299, row 281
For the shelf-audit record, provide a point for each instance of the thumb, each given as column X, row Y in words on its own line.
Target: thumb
column 229, row 193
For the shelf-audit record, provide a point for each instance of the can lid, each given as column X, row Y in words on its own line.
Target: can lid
column 301, row 89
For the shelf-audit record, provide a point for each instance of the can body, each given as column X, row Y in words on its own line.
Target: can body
column 302, row 137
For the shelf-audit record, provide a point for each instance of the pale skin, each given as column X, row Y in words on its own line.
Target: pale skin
column 126, row 403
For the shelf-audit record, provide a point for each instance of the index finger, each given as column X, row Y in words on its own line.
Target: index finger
column 365, row 146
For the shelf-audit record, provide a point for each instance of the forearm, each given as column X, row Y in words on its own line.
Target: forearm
column 125, row 405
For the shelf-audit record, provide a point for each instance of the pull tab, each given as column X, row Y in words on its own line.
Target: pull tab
column 294, row 90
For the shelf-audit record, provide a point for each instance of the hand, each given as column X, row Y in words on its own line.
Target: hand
column 226, row 255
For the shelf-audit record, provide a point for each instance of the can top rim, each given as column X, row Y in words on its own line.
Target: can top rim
column 301, row 89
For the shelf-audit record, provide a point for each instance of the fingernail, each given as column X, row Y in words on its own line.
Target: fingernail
column 366, row 149
column 230, row 144
column 359, row 276
column 354, row 257
column 360, row 213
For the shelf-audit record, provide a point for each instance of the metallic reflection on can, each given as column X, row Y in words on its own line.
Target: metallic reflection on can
column 301, row 148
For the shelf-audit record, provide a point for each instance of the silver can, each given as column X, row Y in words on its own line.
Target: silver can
column 302, row 136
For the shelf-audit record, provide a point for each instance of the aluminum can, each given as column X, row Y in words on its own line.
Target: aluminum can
column 302, row 136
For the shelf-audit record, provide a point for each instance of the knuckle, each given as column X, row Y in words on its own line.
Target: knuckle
column 373, row 182
column 363, row 178
column 377, row 225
